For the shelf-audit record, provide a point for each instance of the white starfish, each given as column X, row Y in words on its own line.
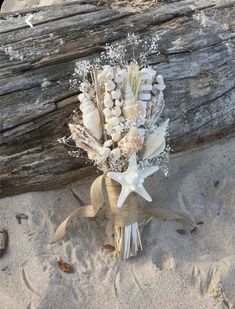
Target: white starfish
column 132, row 180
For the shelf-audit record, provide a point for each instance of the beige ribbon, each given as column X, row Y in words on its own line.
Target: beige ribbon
column 126, row 215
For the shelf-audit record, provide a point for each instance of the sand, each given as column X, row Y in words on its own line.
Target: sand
column 192, row 270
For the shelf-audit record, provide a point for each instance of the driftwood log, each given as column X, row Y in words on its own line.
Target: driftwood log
column 196, row 45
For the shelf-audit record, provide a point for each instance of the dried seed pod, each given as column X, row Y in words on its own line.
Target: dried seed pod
column 3, row 241
column 108, row 248
column 65, row 267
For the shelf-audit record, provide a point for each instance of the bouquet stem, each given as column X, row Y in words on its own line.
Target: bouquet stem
column 127, row 240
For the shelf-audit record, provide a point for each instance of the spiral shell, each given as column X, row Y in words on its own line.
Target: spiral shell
column 130, row 108
column 90, row 115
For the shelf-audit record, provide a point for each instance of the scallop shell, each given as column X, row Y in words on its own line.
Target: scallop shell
column 155, row 142
column 131, row 142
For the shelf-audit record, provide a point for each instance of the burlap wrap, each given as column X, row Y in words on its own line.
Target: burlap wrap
column 126, row 215
column 129, row 213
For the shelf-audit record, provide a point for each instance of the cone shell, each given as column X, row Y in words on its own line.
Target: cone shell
column 155, row 142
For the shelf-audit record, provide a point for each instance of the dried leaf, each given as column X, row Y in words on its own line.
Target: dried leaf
column 109, row 248
column 65, row 267
column 3, row 241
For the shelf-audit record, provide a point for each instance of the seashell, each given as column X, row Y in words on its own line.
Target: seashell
column 145, row 87
column 108, row 102
column 129, row 95
column 147, row 73
column 119, row 76
column 90, row 116
column 155, row 142
column 142, row 107
column 116, row 111
column 87, row 89
column 113, row 121
column 108, row 143
column 104, row 152
column 106, row 74
column 160, row 85
column 109, row 85
column 130, row 112
column 119, row 103
column 116, row 94
column 108, row 127
column 116, row 136
column 144, row 96
column 131, row 142
column 115, row 154
column 107, row 112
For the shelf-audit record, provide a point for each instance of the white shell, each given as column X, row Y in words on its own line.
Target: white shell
column 161, row 85
column 90, row 116
column 115, row 154
column 109, row 85
column 116, row 136
column 108, row 143
column 118, row 103
column 104, row 152
column 155, row 142
column 119, row 76
column 130, row 112
column 129, row 96
column 142, row 106
column 144, row 96
column 107, row 112
column 113, row 121
column 108, row 102
column 116, row 111
column 106, row 74
column 116, row 94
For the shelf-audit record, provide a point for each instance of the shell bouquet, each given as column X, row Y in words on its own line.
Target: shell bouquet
column 117, row 127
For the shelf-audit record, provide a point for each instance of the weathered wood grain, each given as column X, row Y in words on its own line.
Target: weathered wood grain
column 196, row 57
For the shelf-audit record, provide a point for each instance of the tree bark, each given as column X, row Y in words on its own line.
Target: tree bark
column 196, row 58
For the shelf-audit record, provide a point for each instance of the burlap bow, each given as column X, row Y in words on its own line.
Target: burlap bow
column 126, row 215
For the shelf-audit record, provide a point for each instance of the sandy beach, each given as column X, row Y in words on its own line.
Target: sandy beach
column 177, row 269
